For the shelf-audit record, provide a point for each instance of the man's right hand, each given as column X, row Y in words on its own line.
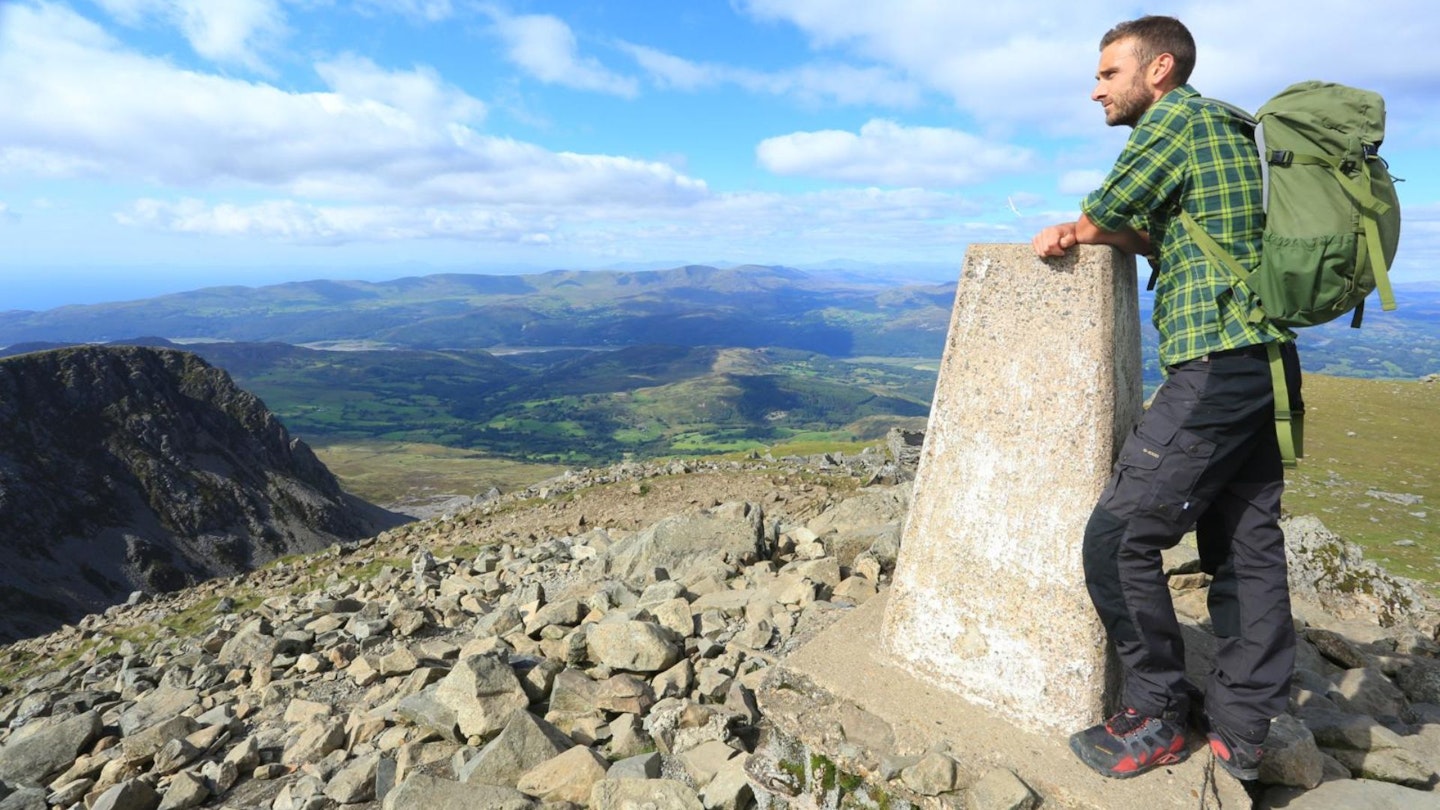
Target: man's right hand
column 1055, row 240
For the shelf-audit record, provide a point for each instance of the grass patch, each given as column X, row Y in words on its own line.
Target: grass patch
column 396, row 472
column 1369, row 444
column 809, row 444
column 372, row 569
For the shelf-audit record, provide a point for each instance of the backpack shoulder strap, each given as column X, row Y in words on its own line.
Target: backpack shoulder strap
column 1215, row 253
column 1235, row 112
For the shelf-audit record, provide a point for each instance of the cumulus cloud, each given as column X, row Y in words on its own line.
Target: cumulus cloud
column 230, row 32
column 890, row 154
column 419, row 92
column 319, row 224
column 545, row 47
column 747, row 224
column 1030, row 63
column 840, row 83
column 76, row 102
column 7, row 214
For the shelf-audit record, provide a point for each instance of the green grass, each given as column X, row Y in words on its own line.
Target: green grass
column 810, row 444
column 1373, row 435
column 391, row 472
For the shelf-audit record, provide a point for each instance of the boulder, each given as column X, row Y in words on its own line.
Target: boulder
column 160, row 704
column 687, row 545
column 627, row 794
column 1291, row 756
column 133, row 794
column 634, row 646
column 1001, row 789
column 525, row 742
column 1367, row 691
column 30, row 756
column 355, row 782
column 484, row 692
column 1326, row 570
column 853, row 525
column 1352, row 794
column 313, row 741
column 186, row 790
column 568, row 777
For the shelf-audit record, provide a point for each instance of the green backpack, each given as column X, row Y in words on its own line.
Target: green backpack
column 1332, row 219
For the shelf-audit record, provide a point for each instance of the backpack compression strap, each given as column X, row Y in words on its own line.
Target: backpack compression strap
column 1358, row 187
column 1289, row 426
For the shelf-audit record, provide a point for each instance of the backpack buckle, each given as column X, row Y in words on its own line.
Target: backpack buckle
column 1281, row 157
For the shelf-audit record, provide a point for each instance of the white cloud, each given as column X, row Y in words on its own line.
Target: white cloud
column 419, row 92
column 754, row 225
column 305, row 223
column 419, row 10
column 229, row 32
column 1027, row 63
column 78, row 103
column 8, row 215
column 545, row 47
column 669, row 70
column 887, row 153
column 844, row 84
column 1080, row 181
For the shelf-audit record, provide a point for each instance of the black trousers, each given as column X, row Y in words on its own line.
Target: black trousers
column 1205, row 456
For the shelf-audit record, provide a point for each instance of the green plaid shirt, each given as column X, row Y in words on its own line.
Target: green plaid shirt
column 1183, row 153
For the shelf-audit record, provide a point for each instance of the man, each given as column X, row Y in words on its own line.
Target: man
column 1205, row 454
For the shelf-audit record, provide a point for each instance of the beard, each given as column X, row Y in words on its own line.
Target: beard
column 1127, row 107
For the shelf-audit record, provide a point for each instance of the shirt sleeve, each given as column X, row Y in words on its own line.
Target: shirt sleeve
column 1148, row 174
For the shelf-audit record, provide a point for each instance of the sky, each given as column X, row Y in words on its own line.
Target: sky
column 158, row 145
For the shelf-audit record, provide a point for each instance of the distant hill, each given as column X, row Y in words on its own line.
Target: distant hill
column 127, row 468
column 746, row 306
column 840, row 313
column 575, row 406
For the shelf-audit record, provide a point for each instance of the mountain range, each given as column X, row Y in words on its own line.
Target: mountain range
column 837, row 312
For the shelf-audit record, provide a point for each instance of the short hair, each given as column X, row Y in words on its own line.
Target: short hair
column 1153, row 36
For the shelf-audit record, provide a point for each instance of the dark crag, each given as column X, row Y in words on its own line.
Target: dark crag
column 128, row 468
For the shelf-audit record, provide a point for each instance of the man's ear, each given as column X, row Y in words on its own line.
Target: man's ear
column 1162, row 68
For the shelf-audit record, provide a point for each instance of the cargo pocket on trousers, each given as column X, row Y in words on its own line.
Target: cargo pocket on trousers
column 1164, row 464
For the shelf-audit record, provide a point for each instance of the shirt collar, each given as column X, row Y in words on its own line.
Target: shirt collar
column 1172, row 96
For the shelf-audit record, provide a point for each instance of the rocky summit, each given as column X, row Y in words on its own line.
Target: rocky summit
column 598, row 640
column 126, row 469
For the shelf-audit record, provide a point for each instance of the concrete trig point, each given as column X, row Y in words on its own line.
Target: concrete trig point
column 986, row 644
column 1040, row 382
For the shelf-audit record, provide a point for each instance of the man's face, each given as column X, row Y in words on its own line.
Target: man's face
column 1121, row 86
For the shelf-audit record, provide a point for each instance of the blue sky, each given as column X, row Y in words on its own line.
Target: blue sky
column 150, row 145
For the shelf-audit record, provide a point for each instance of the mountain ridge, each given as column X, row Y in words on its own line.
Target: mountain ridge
column 131, row 468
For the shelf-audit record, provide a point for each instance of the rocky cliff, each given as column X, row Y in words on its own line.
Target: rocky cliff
column 129, row 469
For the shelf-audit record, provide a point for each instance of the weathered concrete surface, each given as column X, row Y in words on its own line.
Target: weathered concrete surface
column 1039, row 383
column 840, row 697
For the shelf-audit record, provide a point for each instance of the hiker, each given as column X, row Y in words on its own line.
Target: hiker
column 1205, row 454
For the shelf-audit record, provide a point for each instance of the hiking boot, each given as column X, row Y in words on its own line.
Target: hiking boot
column 1130, row 744
column 1239, row 757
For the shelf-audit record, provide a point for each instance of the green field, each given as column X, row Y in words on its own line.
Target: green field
column 392, row 472
column 580, row 409
column 1371, row 446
